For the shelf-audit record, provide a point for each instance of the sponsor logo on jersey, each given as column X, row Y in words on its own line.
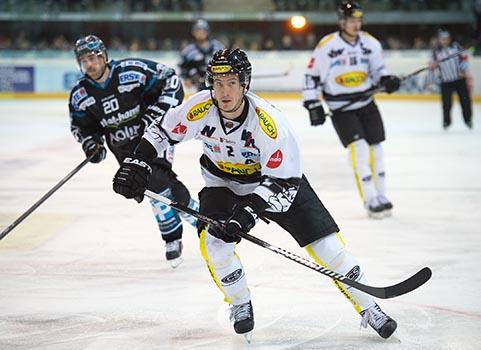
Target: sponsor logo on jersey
column 131, row 76
column 124, row 135
column 116, row 120
column 339, row 62
column 232, row 277
column 179, row 129
column 221, row 139
column 311, row 62
column 247, row 137
column 248, row 154
column 127, row 88
column 208, row 131
column 334, row 53
column 135, row 63
column 351, row 79
column 221, row 69
column 78, row 95
column 212, row 148
column 238, row 168
column 199, row 110
column 365, row 50
column 87, row 103
column 267, row 123
column 275, row 160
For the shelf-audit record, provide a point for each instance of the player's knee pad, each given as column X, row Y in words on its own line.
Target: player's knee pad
column 331, row 252
column 215, row 251
column 328, row 250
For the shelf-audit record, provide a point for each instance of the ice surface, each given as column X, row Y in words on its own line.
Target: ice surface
column 86, row 270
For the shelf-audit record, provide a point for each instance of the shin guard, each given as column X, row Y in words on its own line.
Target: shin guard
column 225, row 268
column 330, row 252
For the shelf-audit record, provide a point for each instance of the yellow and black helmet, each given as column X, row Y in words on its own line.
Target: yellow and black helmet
column 349, row 9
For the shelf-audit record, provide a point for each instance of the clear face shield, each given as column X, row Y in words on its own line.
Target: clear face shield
column 91, row 60
column 89, row 53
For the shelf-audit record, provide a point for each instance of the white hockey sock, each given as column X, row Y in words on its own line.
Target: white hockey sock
column 359, row 157
column 225, row 267
column 377, row 166
column 330, row 252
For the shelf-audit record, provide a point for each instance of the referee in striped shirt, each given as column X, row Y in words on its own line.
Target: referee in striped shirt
column 453, row 77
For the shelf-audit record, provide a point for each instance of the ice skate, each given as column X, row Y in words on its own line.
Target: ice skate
column 374, row 208
column 387, row 205
column 379, row 321
column 242, row 317
column 173, row 253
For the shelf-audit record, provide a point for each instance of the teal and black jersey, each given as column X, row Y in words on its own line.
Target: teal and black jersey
column 136, row 92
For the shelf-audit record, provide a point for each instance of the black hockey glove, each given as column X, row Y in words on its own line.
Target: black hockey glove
column 390, row 83
column 151, row 113
column 90, row 146
column 316, row 112
column 244, row 217
column 132, row 178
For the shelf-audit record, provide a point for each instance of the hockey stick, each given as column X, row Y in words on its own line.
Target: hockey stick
column 420, row 70
column 367, row 94
column 375, row 89
column 401, row 288
column 45, row 197
column 275, row 75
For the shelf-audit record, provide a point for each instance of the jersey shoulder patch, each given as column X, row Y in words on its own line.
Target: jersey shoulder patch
column 199, row 110
column 267, row 123
column 78, row 95
column 325, row 40
column 368, row 36
column 133, row 62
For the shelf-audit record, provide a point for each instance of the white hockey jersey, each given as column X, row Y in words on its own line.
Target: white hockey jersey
column 258, row 155
column 340, row 69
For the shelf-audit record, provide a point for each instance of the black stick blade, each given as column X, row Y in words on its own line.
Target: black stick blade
column 406, row 286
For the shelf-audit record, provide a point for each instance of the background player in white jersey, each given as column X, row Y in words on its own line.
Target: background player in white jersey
column 345, row 65
column 196, row 55
column 114, row 102
column 252, row 167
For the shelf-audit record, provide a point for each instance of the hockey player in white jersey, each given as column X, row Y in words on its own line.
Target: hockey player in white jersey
column 344, row 66
column 252, row 167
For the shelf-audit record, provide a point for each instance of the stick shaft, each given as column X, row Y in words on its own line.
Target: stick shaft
column 45, row 197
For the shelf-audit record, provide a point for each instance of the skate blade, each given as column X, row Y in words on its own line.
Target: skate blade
column 376, row 216
column 248, row 336
column 176, row 262
column 387, row 213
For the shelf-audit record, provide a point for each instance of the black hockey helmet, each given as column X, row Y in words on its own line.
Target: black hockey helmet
column 443, row 33
column 89, row 44
column 349, row 9
column 228, row 61
column 200, row 24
